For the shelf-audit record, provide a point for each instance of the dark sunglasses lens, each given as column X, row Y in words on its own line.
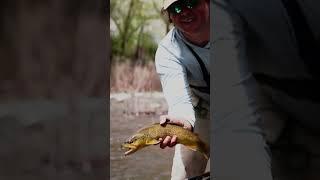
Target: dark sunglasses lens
column 175, row 8
column 190, row 3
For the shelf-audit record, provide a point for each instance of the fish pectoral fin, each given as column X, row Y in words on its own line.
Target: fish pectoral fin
column 153, row 142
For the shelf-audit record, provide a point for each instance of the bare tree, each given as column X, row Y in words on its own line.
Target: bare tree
column 164, row 17
column 129, row 18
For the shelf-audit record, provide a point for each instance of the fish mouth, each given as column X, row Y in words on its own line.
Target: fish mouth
column 130, row 149
column 129, row 152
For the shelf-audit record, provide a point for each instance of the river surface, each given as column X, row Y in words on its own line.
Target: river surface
column 127, row 115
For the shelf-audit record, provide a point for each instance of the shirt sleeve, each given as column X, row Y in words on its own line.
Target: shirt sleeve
column 175, row 86
column 240, row 150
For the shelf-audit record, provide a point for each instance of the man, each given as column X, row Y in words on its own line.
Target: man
column 266, row 100
column 182, row 62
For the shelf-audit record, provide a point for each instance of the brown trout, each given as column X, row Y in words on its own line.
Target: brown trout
column 150, row 135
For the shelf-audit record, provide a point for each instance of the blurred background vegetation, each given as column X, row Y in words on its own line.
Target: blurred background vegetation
column 136, row 27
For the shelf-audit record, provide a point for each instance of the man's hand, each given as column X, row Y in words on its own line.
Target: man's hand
column 172, row 141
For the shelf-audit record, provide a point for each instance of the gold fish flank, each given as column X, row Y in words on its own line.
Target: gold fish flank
column 150, row 135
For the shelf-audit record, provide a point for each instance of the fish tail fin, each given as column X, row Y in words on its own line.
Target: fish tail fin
column 202, row 148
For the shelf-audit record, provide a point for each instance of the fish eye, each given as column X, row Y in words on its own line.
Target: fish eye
column 131, row 140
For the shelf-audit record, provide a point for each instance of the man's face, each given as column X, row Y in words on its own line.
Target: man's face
column 190, row 20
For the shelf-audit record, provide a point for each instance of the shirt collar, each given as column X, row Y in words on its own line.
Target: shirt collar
column 179, row 33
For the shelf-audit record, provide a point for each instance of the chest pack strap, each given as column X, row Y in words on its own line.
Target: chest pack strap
column 205, row 73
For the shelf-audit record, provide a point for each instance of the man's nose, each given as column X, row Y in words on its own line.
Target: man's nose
column 185, row 11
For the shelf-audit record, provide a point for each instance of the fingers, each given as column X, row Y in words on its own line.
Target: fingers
column 169, row 119
column 188, row 126
column 174, row 120
column 164, row 143
column 164, row 119
column 173, row 141
column 168, row 141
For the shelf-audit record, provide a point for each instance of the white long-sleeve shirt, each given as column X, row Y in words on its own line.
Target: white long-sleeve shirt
column 178, row 68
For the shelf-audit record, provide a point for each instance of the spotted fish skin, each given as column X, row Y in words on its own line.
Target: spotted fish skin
column 150, row 135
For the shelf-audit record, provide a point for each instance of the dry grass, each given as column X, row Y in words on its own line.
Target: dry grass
column 137, row 78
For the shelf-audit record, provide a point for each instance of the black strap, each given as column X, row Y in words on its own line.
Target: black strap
column 201, row 177
column 307, row 44
column 205, row 73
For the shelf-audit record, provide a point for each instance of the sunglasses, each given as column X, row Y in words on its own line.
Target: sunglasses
column 177, row 7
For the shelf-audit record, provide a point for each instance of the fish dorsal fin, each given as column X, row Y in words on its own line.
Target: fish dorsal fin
column 147, row 126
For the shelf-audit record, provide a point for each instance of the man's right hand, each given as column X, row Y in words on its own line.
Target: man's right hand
column 172, row 141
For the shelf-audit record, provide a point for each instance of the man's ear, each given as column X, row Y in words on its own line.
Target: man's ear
column 169, row 19
column 166, row 14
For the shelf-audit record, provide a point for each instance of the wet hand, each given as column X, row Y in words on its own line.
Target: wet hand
column 168, row 141
column 172, row 141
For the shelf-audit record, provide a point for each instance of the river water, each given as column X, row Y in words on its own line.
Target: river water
column 126, row 117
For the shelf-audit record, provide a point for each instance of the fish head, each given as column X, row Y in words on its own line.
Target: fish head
column 136, row 142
